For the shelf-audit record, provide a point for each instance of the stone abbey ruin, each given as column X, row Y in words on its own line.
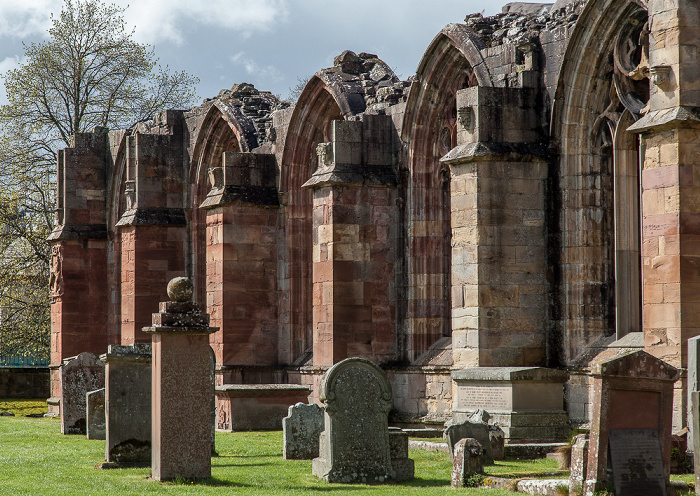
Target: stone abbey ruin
column 483, row 231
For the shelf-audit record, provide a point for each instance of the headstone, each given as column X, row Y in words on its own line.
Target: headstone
column 579, row 459
column 212, row 392
column 301, row 429
column 498, row 442
column 128, row 403
column 79, row 375
column 354, row 446
column 181, row 387
column 631, row 421
column 454, row 432
column 695, row 407
column 404, row 467
column 635, row 456
column 693, row 364
column 467, row 460
column 96, row 414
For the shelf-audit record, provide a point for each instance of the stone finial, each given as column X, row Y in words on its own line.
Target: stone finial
column 180, row 289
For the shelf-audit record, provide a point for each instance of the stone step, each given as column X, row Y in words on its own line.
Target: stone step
column 424, row 432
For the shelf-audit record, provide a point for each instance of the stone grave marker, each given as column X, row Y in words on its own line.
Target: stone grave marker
column 635, row 455
column 404, row 467
column 79, row 375
column 693, row 364
column 695, row 417
column 96, row 414
column 632, row 405
column 579, row 459
column 354, row 446
column 128, row 403
column 301, row 429
column 467, row 460
column 181, row 389
column 476, row 429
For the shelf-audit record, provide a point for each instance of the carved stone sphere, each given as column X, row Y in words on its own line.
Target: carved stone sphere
column 180, row 289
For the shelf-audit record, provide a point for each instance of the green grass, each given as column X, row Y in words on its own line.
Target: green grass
column 23, row 407
column 35, row 459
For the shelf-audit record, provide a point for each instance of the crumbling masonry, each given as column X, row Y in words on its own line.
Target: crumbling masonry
column 528, row 198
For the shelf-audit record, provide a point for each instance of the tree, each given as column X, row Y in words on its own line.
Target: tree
column 89, row 72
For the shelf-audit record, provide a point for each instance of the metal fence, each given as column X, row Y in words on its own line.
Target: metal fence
column 22, row 361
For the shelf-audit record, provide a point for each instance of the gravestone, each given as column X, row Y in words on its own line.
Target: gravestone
column 301, row 429
column 467, row 460
column 695, row 409
column 693, row 364
column 579, row 462
column 635, row 456
column 498, row 442
column 128, row 403
column 404, row 467
column 181, row 387
column 632, row 405
column 354, row 446
column 96, row 414
column 79, row 376
column 478, row 430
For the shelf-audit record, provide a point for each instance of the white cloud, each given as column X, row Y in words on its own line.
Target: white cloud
column 252, row 68
column 19, row 19
column 167, row 20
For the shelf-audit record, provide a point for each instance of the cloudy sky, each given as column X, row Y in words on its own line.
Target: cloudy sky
column 270, row 43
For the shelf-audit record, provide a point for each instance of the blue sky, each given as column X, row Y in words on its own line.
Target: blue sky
column 269, row 43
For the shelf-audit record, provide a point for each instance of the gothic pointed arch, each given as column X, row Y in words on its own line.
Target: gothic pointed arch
column 452, row 62
column 602, row 88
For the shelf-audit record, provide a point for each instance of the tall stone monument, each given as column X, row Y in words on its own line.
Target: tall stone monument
column 181, row 389
column 354, row 446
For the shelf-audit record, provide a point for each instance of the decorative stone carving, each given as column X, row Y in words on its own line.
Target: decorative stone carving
column 325, row 154
column 56, row 276
column 354, row 447
column 465, row 115
column 660, row 76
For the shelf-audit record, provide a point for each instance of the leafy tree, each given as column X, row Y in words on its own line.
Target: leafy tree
column 88, row 72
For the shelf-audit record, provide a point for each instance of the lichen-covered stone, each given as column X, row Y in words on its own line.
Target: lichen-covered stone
column 466, row 461
column 354, row 446
column 96, row 414
column 301, row 429
column 79, row 376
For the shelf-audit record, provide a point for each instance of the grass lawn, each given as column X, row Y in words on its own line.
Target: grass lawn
column 35, row 459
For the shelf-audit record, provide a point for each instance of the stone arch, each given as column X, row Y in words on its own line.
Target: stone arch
column 321, row 102
column 594, row 97
column 224, row 129
column 451, row 62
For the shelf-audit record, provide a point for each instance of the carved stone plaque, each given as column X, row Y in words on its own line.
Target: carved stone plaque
column 490, row 398
column 636, row 460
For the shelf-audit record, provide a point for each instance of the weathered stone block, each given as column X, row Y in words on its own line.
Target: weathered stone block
column 301, row 429
column 79, row 376
column 467, row 460
column 96, row 414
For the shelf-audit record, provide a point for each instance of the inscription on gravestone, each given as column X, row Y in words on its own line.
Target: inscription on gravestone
column 636, row 460
column 487, row 397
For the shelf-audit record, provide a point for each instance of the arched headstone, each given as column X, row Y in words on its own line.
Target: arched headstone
column 354, row 446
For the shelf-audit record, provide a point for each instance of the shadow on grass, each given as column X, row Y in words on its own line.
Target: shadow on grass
column 209, row 482
column 420, row 482
column 243, row 465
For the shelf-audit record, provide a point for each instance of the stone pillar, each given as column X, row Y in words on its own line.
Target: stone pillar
column 78, row 278
column 181, row 389
column 671, row 186
column 241, row 262
column 152, row 230
column 498, row 232
column 353, row 243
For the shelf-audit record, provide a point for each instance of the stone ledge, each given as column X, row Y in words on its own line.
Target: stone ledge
column 78, row 231
column 510, row 374
column 259, row 390
column 505, row 152
column 658, row 120
column 153, row 217
column 254, row 195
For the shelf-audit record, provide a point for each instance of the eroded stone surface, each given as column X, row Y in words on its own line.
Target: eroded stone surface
column 96, row 414
column 354, row 446
column 301, row 429
column 466, row 461
column 79, row 376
